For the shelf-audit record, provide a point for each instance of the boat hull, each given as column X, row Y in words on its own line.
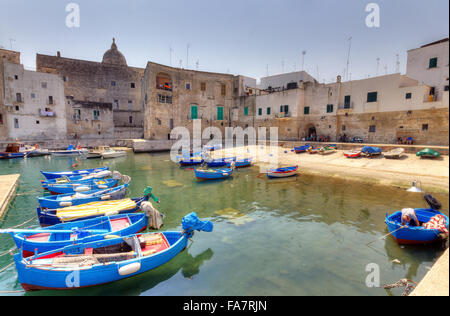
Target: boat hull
column 34, row 278
column 138, row 223
column 59, row 174
column 213, row 175
column 414, row 235
column 186, row 163
column 243, row 163
column 71, row 187
column 352, row 154
column 282, row 172
column 116, row 154
column 54, row 201
column 49, row 218
column 69, row 153
column 4, row 155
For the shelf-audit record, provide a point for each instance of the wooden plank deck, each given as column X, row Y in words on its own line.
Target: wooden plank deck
column 8, row 185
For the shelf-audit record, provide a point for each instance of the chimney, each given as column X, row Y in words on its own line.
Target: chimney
column 58, row 54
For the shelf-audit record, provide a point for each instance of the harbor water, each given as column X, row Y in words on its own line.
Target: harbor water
column 305, row 235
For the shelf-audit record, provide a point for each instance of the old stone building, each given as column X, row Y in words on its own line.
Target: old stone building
column 89, row 119
column 33, row 103
column 175, row 97
column 380, row 110
column 36, row 104
column 110, row 81
column 6, row 56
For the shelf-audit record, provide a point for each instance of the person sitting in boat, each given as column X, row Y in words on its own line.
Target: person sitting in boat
column 409, row 217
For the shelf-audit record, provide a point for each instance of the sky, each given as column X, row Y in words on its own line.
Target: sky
column 247, row 37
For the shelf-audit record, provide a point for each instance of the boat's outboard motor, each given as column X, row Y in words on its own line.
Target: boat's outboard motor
column 432, row 202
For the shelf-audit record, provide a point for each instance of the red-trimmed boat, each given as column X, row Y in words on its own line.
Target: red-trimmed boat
column 352, row 153
column 282, row 172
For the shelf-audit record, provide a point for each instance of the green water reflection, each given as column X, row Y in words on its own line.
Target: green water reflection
column 298, row 236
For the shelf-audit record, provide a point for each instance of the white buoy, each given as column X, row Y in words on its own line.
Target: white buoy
column 414, row 188
column 130, row 268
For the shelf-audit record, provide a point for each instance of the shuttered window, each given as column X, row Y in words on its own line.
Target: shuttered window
column 220, row 113
column 194, row 112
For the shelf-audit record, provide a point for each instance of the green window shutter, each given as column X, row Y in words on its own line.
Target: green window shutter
column 268, row 111
column 347, row 100
column 281, row 109
column 246, row 111
column 259, row 111
column 286, row 109
column 194, row 113
column 220, row 113
column 306, row 110
column 329, row 108
column 433, row 62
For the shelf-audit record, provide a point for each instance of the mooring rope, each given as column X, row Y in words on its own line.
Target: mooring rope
column 26, row 222
column 9, row 265
column 8, row 251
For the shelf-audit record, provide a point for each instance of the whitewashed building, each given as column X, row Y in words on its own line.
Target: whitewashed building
column 429, row 65
column 35, row 104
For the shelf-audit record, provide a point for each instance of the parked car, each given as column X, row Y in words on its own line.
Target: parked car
column 356, row 140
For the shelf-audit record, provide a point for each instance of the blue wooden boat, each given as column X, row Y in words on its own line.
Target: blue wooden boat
column 371, row 151
column 61, row 235
column 59, row 174
column 213, row 174
column 302, row 149
column 212, row 147
column 49, row 217
column 221, row 162
column 76, row 179
column 104, row 261
column 194, row 161
column 414, row 235
column 64, row 200
column 72, row 188
column 282, row 172
column 243, row 163
column 14, row 150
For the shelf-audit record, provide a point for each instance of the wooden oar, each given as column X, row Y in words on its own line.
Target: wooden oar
column 382, row 237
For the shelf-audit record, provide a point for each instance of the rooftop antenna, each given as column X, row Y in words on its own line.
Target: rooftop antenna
column 170, row 52
column 348, row 56
column 187, row 55
column 197, row 64
column 378, row 65
column 10, row 42
column 303, row 58
column 181, row 63
column 282, row 66
column 385, row 69
column 397, row 63
column 295, row 66
column 267, row 68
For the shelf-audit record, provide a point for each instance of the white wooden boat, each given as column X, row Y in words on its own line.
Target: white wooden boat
column 111, row 153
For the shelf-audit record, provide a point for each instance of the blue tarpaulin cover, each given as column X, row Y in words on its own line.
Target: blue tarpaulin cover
column 191, row 222
column 370, row 150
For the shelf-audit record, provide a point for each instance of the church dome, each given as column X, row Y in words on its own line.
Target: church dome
column 113, row 56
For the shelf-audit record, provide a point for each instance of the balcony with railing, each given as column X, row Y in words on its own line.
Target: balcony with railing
column 46, row 112
column 345, row 108
column 283, row 115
